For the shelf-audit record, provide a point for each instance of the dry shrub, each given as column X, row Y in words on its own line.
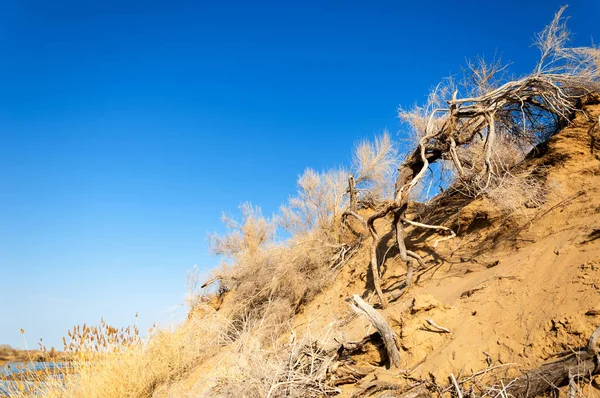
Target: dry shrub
column 515, row 193
column 265, row 279
column 318, row 203
column 509, row 187
column 373, row 166
column 322, row 197
column 249, row 236
column 268, row 279
column 6, row 350
column 502, row 109
column 295, row 368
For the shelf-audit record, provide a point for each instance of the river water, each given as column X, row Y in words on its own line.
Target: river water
column 15, row 367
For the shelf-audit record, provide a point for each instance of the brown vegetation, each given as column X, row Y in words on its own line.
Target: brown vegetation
column 9, row 354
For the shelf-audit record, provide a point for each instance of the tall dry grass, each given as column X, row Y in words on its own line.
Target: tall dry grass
column 108, row 362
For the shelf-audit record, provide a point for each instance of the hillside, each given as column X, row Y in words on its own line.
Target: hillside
column 512, row 289
column 370, row 282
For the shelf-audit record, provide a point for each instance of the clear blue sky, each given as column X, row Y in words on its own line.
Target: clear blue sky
column 127, row 127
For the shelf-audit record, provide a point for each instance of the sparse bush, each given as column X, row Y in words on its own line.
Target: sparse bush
column 6, row 350
column 373, row 167
column 268, row 280
column 320, row 200
column 484, row 125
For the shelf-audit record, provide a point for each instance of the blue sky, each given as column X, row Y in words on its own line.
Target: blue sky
column 127, row 127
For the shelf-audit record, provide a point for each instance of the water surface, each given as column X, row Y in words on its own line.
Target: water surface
column 12, row 368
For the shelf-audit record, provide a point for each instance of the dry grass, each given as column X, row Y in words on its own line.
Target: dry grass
column 294, row 368
column 109, row 362
column 139, row 370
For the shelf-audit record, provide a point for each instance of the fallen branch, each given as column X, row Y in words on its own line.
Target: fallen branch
column 390, row 340
column 438, row 327
column 455, row 383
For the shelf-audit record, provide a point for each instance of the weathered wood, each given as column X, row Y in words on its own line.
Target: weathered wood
column 455, row 383
column 438, row 328
column 552, row 375
column 374, row 244
column 400, row 241
column 557, row 374
column 374, row 261
column 592, row 346
column 375, row 274
column 390, row 340
column 353, row 206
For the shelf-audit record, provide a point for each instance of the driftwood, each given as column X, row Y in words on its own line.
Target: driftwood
column 390, row 340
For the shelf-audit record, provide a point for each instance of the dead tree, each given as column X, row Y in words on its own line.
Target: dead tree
column 525, row 110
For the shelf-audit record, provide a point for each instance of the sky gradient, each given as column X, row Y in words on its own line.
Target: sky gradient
column 127, row 127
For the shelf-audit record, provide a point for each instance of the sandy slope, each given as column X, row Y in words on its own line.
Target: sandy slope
column 507, row 297
column 512, row 289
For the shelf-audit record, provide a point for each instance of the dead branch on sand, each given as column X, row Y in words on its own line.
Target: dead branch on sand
column 390, row 340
